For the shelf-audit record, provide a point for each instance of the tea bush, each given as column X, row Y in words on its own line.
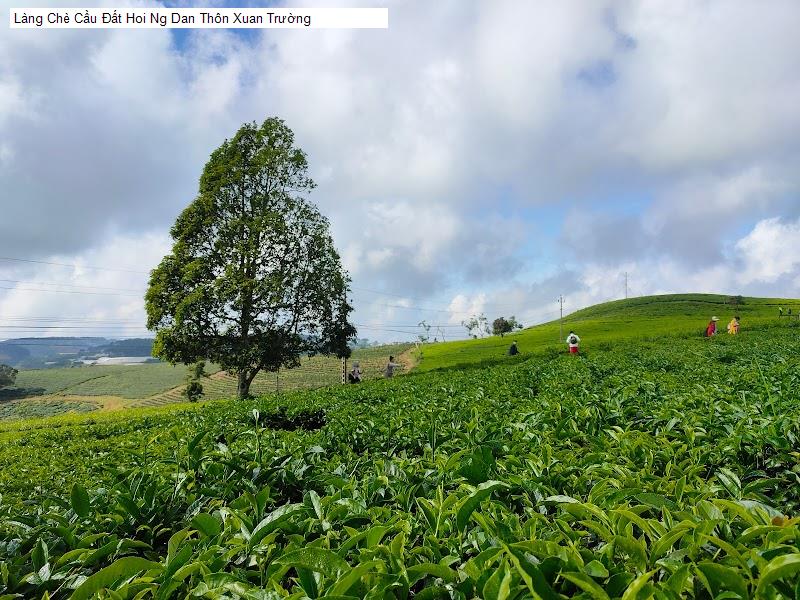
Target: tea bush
column 662, row 470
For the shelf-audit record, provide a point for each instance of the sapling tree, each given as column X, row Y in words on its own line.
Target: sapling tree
column 477, row 325
column 8, row 375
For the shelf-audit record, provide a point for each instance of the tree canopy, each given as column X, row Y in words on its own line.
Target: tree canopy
column 502, row 326
column 253, row 281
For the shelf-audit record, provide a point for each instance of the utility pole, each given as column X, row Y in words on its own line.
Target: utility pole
column 561, row 319
column 626, row 285
column 344, row 359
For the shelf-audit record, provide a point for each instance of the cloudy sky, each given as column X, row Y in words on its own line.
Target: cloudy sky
column 474, row 157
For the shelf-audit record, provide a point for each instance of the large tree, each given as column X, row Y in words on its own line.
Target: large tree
column 253, row 281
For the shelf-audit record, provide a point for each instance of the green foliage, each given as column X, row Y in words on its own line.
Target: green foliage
column 198, row 370
column 7, row 376
column 36, row 408
column 126, row 381
column 644, row 318
column 646, row 470
column 253, row 280
column 502, row 326
column 194, row 388
column 159, row 384
column 476, row 325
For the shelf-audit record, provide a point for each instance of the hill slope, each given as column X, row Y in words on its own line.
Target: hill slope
column 635, row 318
column 663, row 469
column 44, row 392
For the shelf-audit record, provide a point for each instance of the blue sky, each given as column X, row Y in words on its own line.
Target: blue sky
column 474, row 157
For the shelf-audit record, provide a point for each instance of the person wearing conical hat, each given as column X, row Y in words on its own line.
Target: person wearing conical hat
column 711, row 329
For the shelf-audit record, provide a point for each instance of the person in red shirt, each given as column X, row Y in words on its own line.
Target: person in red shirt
column 712, row 327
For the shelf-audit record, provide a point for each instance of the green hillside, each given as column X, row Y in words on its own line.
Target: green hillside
column 659, row 468
column 56, row 391
column 127, row 381
column 313, row 372
column 636, row 318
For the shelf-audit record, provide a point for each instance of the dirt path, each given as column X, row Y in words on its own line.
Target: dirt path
column 408, row 359
column 103, row 402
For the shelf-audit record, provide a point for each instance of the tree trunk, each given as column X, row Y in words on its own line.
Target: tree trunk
column 245, row 379
column 243, row 385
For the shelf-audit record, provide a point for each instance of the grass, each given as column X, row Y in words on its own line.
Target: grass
column 650, row 317
column 49, row 392
column 152, row 385
column 44, row 408
column 313, row 372
column 126, row 381
column 661, row 468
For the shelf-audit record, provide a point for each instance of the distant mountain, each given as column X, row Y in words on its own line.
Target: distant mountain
column 13, row 354
column 131, row 347
column 40, row 353
column 49, row 346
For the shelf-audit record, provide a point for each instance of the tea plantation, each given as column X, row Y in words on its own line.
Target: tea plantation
column 49, row 392
column 645, row 317
column 664, row 468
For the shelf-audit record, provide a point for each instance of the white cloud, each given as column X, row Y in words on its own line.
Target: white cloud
column 717, row 197
column 378, row 258
column 769, row 251
column 709, row 82
column 54, row 300
column 428, row 140
column 12, row 100
column 762, row 262
column 463, row 307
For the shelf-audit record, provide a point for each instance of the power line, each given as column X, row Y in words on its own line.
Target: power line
column 131, row 323
column 27, row 289
column 57, row 264
column 404, row 332
column 417, row 325
column 422, row 308
column 68, row 320
column 76, row 266
column 413, row 308
column 104, row 327
column 17, row 342
column 360, row 289
column 87, row 287
column 22, row 289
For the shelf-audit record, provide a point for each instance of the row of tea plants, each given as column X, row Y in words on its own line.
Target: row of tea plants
column 650, row 470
